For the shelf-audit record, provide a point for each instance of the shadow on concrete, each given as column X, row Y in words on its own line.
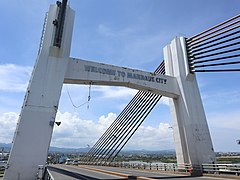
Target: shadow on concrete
column 75, row 174
column 172, row 177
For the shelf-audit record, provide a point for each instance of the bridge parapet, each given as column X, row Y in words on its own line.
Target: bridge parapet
column 2, row 169
column 219, row 170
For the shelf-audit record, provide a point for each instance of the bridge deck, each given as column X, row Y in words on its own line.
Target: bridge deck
column 62, row 172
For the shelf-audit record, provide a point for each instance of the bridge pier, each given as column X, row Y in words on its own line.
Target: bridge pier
column 191, row 134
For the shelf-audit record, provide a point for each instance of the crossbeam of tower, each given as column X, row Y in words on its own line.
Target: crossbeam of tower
column 124, row 126
column 80, row 71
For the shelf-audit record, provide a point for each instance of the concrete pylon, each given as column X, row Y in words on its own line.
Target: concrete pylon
column 191, row 133
column 35, row 125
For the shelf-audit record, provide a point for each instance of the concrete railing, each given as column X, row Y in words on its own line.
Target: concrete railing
column 47, row 175
column 173, row 167
column 233, row 169
column 217, row 169
column 2, row 169
column 223, row 169
column 155, row 166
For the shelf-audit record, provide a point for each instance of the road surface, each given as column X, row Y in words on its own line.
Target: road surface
column 68, row 172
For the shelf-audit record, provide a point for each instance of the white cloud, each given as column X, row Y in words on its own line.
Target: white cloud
column 115, row 92
column 8, row 123
column 153, row 138
column 75, row 132
column 164, row 101
column 14, row 78
column 223, row 96
column 225, row 130
column 106, row 31
column 226, row 120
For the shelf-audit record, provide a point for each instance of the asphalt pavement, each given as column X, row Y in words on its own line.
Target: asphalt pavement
column 68, row 172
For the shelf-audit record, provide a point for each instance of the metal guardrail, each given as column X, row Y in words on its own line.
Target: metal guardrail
column 2, row 169
column 48, row 175
column 221, row 169
column 152, row 166
column 43, row 173
column 218, row 169
column 155, row 166
column 193, row 170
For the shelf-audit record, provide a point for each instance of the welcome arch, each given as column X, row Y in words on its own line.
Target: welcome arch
column 54, row 67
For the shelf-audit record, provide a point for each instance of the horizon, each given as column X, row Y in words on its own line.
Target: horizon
column 124, row 150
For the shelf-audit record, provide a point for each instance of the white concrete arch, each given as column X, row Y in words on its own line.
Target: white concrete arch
column 54, row 67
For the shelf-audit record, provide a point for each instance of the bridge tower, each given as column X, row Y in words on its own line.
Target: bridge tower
column 35, row 124
column 191, row 133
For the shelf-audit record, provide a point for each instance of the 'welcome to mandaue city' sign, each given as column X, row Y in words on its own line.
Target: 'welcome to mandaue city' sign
column 124, row 74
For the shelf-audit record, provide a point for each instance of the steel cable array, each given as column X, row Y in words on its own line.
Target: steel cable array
column 124, row 126
column 217, row 44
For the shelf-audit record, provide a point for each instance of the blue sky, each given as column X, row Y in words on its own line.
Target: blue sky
column 130, row 33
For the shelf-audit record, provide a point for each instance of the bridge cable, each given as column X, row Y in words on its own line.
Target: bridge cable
column 136, row 122
column 117, row 128
column 123, row 131
column 111, row 132
column 215, row 42
column 219, row 44
column 128, row 134
column 122, row 115
column 119, row 120
column 127, row 131
column 100, row 149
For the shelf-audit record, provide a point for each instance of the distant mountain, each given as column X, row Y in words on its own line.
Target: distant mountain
column 85, row 150
column 7, row 148
column 68, row 150
column 169, row 151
